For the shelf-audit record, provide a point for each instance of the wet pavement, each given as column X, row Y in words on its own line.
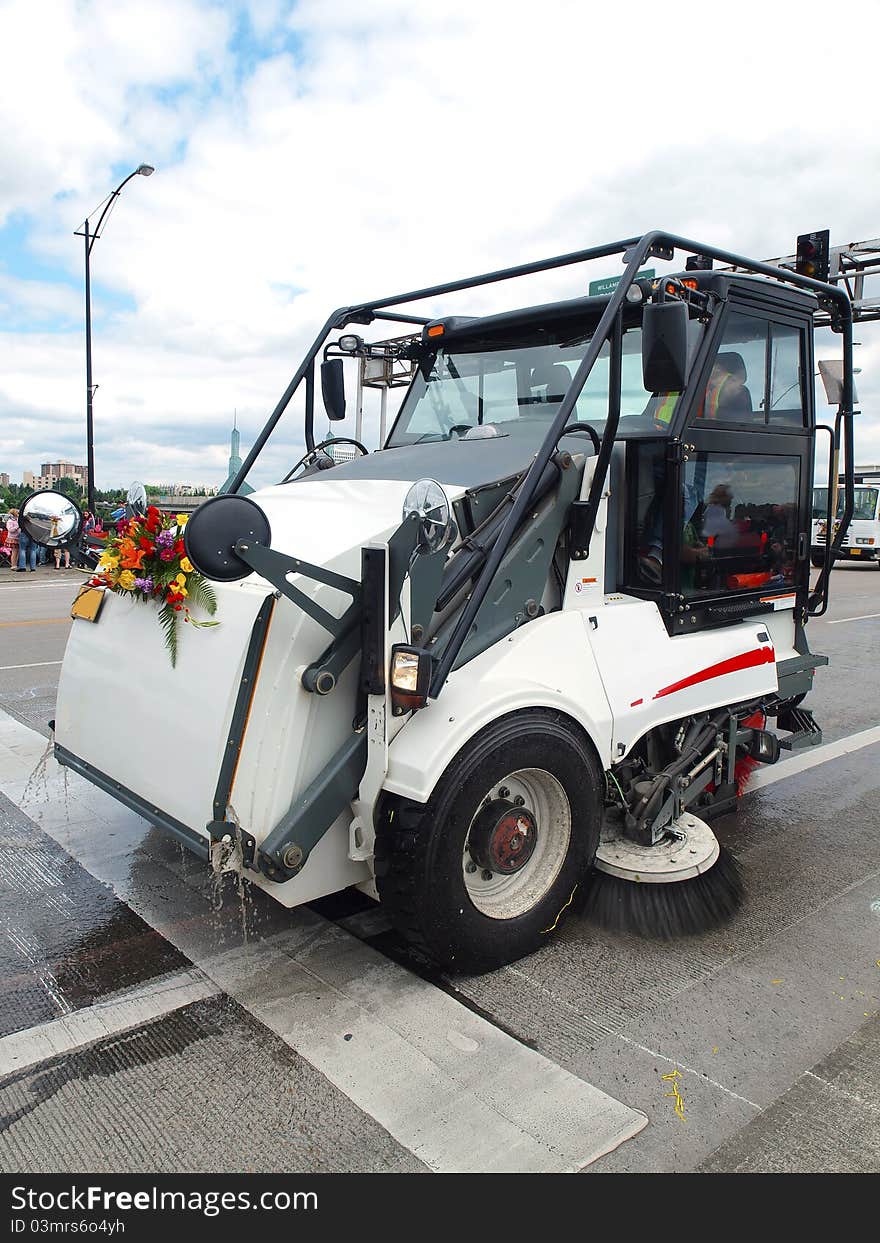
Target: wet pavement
column 767, row 1027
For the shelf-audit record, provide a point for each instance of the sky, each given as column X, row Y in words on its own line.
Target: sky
column 315, row 154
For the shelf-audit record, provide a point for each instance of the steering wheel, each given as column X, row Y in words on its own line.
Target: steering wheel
column 312, row 455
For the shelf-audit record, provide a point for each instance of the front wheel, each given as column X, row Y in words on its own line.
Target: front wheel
column 817, row 561
column 487, row 869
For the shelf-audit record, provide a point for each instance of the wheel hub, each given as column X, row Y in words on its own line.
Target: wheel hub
column 503, row 837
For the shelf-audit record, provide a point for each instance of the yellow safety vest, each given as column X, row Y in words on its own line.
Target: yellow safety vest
column 666, row 407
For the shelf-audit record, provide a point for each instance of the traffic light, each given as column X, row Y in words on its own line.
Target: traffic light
column 812, row 255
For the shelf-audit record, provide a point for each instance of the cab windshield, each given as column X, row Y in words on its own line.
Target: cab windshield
column 516, row 389
column 865, row 508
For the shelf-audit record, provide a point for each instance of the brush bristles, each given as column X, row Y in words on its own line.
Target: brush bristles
column 666, row 912
column 742, row 773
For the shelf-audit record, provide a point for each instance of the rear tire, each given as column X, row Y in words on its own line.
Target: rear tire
column 818, row 562
column 467, row 917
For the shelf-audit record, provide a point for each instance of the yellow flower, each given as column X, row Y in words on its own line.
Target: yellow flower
column 107, row 560
column 187, row 565
column 126, row 580
column 179, row 585
column 182, row 519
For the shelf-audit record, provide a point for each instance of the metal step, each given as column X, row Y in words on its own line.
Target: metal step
column 804, row 732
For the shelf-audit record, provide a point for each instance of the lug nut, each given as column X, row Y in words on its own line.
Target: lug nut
column 503, row 792
column 487, row 875
column 520, row 801
column 470, row 867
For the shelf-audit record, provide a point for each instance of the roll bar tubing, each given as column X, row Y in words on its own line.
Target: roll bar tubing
column 635, row 251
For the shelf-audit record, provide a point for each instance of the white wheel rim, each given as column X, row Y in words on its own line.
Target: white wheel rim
column 501, row 896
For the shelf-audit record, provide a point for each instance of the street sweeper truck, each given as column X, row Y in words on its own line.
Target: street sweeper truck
column 511, row 664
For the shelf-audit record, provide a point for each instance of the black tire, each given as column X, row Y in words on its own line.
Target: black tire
column 419, row 848
column 818, row 562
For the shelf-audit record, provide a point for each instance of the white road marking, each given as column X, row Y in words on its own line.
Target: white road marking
column 458, row 1092
column 37, row 664
column 838, row 621
column 810, row 758
column 700, row 1074
column 106, row 1018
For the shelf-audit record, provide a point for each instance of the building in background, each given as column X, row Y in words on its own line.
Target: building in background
column 4, row 480
column 234, row 463
column 51, row 472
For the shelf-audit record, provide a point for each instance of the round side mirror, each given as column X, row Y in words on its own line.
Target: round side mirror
column 50, row 518
column 428, row 501
column 137, row 500
column 216, row 527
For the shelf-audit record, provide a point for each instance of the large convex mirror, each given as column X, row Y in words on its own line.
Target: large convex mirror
column 428, row 503
column 137, row 500
column 50, row 518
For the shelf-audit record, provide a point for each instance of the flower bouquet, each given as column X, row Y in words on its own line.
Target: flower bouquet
column 146, row 559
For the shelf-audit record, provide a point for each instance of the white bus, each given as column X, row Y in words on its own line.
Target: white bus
column 862, row 540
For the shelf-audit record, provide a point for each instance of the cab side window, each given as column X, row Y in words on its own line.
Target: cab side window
column 735, row 389
column 786, row 404
column 757, row 376
column 739, row 523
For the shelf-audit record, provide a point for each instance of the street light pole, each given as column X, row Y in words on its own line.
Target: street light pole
column 90, row 438
column 91, row 236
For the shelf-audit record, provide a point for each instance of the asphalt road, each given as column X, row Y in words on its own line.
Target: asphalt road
column 151, row 1019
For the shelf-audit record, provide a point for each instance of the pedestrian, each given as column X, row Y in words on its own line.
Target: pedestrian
column 58, row 550
column 27, row 552
column 88, row 522
column 13, row 531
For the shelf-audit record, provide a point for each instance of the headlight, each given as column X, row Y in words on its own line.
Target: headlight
column 410, row 678
column 861, row 539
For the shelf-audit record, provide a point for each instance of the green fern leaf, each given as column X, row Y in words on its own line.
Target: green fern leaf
column 202, row 594
column 168, row 621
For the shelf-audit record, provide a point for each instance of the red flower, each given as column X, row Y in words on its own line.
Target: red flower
column 147, row 545
column 178, row 548
column 167, row 554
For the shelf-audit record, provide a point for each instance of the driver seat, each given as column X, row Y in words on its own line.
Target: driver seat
column 554, row 378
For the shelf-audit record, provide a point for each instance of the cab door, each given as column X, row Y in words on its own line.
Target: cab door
column 745, row 475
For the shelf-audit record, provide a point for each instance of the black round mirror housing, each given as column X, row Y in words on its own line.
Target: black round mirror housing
column 50, row 518
column 214, row 529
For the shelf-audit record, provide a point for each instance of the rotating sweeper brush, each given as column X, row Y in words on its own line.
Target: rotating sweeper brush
column 686, row 885
column 660, row 871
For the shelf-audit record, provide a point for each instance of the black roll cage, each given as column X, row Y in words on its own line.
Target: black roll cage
column 635, row 252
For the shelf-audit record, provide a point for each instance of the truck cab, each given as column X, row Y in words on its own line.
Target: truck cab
column 861, row 542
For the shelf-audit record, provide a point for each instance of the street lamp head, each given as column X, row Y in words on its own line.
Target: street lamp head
column 145, row 170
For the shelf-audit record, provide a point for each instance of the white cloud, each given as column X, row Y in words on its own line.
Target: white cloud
column 378, row 148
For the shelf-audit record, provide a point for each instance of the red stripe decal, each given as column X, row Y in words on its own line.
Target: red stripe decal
column 748, row 660
column 635, row 703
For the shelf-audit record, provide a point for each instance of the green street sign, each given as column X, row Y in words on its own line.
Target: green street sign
column 599, row 289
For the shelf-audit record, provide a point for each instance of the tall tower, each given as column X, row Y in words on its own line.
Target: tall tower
column 234, row 460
